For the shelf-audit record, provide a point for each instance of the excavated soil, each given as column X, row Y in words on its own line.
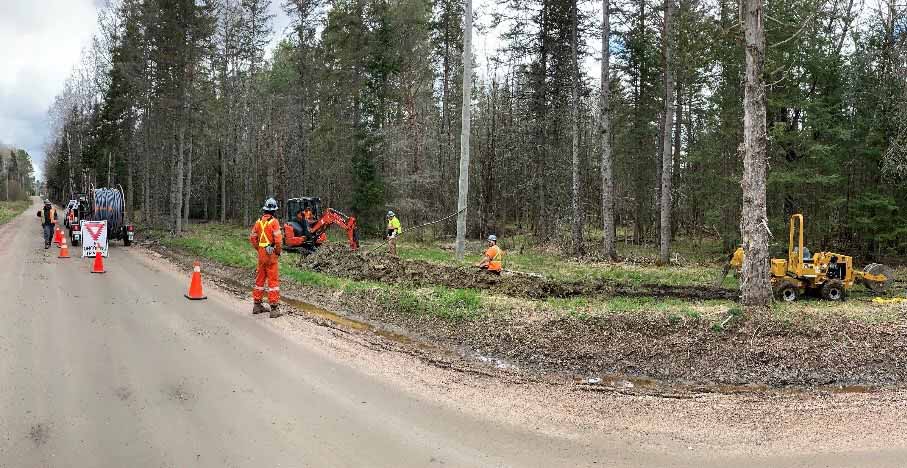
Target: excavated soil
column 644, row 350
column 341, row 262
column 760, row 351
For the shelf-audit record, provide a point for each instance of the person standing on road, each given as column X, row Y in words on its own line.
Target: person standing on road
column 268, row 241
column 493, row 256
column 394, row 229
column 48, row 216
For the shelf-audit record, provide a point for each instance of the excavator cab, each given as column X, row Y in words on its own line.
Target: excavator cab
column 301, row 213
column 306, row 224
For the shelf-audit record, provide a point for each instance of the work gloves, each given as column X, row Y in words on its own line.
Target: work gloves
column 269, row 249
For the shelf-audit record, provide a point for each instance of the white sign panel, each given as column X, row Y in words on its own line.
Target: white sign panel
column 94, row 238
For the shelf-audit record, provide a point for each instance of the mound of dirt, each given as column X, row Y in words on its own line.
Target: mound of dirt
column 340, row 261
column 760, row 351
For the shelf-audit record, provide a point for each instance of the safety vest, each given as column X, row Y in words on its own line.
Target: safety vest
column 264, row 239
column 496, row 255
column 394, row 225
column 49, row 216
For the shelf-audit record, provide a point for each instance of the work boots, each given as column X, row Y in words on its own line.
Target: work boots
column 275, row 312
column 258, row 309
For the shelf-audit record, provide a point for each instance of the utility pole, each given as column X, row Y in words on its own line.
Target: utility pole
column 463, row 194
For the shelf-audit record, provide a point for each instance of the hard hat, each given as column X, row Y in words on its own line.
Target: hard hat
column 492, row 238
column 270, row 205
column 390, row 214
column 46, row 201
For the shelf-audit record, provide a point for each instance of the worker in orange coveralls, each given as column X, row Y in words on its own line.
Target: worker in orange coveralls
column 268, row 241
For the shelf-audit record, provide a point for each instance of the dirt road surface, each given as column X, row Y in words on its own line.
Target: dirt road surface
column 120, row 370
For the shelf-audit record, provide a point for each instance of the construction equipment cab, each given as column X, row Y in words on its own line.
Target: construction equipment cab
column 306, row 226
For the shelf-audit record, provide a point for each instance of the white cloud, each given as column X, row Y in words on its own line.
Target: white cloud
column 40, row 43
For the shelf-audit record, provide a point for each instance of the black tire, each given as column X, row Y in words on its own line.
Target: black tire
column 787, row 292
column 126, row 241
column 833, row 290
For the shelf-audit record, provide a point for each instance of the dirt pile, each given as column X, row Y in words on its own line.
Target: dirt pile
column 340, row 261
column 759, row 351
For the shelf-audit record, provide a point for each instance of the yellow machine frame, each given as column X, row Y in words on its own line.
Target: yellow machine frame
column 828, row 273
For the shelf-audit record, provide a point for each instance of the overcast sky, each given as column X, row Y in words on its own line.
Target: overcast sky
column 41, row 41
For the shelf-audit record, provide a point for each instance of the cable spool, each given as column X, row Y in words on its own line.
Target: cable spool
column 109, row 206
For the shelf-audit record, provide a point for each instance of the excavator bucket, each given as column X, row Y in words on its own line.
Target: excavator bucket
column 877, row 277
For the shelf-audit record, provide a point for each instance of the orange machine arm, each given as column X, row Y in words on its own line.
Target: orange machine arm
column 347, row 223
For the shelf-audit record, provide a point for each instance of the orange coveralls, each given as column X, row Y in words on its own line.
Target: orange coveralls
column 265, row 232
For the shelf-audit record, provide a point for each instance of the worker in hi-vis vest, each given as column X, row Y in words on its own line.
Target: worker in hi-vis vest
column 48, row 216
column 394, row 229
column 493, row 256
column 267, row 239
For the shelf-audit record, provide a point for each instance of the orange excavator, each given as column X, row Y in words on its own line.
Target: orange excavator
column 306, row 226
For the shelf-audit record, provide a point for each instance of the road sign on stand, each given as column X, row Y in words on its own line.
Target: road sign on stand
column 94, row 238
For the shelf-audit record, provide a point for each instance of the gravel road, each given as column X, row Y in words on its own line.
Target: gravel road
column 120, row 370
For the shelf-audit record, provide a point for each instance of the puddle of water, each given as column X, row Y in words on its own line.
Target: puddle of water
column 623, row 381
column 618, row 381
column 347, row 322
column 496, row 362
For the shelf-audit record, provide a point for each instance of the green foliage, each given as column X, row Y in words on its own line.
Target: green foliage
column 9, row 210
column 445, row 303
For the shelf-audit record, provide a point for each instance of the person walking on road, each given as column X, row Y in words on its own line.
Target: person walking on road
column 493, row 256
column 394, row 229
column 268, row 241
column 48, row 216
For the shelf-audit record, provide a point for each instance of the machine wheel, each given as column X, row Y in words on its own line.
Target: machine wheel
column 126, row 241
column 833, row 290
column 787, row 292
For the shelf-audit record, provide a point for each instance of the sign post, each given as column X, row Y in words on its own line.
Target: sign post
column 94, row 238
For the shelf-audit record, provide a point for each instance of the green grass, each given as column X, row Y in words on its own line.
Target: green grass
column 11, row 209
column 229, row 245
column 445, row 303
column 562, row 268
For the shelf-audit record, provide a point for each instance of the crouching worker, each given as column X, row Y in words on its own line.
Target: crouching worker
column 268, row 241
column 493, row 255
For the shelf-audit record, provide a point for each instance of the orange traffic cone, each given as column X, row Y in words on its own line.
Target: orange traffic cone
column 98, row 266
column 64, row 250
column 58, row 235
column 195, row 285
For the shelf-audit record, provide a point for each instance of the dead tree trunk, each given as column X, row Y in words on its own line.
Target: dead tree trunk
column 754, row 220
column 667, row 165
